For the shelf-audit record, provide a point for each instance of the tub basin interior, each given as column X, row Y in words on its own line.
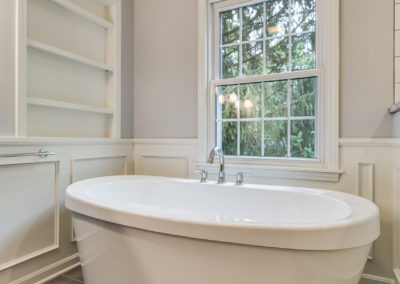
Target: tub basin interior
column 219, row 204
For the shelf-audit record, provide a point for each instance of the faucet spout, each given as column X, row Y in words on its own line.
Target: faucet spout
column 220, row 153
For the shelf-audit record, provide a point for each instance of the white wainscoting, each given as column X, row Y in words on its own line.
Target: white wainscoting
column 84, row 168
column 366, row 186
column 96, row 166
column 160, row 165
column 396, row 221
column 368, row 171
column 30, row 228
column 165, row 157
column 35, row 240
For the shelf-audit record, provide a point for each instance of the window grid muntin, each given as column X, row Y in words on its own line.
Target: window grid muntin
column 240, row 42
column 267, row 38
column 271, row 77
column 289, row 118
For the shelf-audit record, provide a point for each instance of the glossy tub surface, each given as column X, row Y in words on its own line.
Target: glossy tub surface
column 153, row 230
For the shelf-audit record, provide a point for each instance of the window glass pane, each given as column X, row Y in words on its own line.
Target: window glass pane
column 230, row 61
column 253, row 58
column 303, row 52
column 230, row 24
column 250, row 138
column 275, row 138
column 277, row 17
column 253, row 25
column 303, row 96
column 302, row 139
column 250, row 100
column 228, row 98
column 277, row 55
column 229, row 138
column 253, row 119
column 275, row 99
column 304, row 14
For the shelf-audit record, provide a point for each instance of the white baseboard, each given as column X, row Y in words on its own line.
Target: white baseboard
column 378, row 278
column 49, row 267
column 55, row 275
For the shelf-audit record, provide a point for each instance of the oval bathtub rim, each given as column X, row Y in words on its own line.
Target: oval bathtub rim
column 98, row 211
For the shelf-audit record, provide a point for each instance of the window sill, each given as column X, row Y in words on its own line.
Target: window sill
column 310, row 174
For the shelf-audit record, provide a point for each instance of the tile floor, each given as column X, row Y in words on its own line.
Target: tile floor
column 71, row 277
column 75, row 277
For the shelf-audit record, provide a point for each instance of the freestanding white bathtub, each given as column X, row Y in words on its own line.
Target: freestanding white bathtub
column 154, row 230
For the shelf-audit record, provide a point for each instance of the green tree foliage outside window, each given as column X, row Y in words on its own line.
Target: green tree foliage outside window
column 268, row 118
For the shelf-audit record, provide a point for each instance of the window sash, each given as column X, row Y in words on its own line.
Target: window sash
column 289, row 119
column 267, row 78
column 226, row 5
column 222, row 6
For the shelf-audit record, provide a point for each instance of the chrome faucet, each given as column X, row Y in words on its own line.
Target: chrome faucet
column 220, row 153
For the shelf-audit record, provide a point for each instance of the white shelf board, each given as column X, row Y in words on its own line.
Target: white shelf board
column 70, row 6
column 64, row 105
column 69, row 55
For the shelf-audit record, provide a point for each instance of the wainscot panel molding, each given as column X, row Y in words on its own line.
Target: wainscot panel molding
column 367, row 168
column 167, row 157
column 159, row 165
column 366, row 186
column 96, row 166
column 75, row 159
column 40, row 186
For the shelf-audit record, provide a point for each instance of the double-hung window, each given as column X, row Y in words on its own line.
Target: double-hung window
column 268, row 88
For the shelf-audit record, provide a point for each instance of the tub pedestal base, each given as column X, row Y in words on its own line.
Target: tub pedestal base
column 112, row 253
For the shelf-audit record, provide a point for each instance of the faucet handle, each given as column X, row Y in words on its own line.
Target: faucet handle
column 240, row 177
column 204, row 175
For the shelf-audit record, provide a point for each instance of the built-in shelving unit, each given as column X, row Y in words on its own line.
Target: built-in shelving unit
column 69, row 68
column 69, row 106
column 69, row 55
column 84, row 13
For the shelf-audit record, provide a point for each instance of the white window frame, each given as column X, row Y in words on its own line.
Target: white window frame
column 327, row 71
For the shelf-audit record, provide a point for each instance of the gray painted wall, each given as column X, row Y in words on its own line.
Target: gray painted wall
column 165, row 74
column 160, row 50
column 366, row 73
column 127, row 69
column 165, row 68
column 7, row 68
